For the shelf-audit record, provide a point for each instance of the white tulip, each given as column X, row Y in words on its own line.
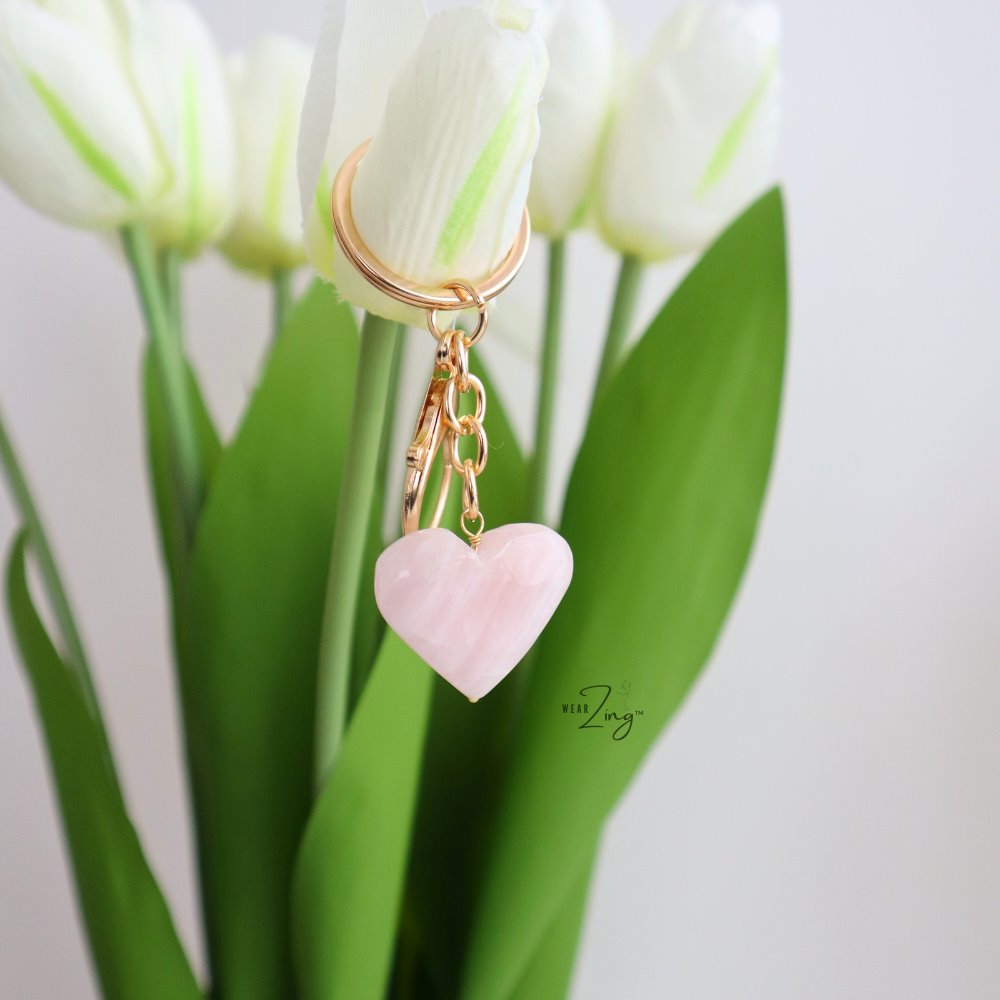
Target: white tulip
column 583, row 51
column 694, row 139
column 452, row 105
column 75, row 138
column 184, row 84
column 268, row 85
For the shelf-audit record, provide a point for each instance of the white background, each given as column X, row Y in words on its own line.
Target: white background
column 823, row 817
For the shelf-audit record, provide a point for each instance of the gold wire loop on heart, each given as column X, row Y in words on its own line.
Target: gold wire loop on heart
column 474, row 534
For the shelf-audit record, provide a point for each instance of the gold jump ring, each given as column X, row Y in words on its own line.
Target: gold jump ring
column 451, row 415
column 470, row 296
column 470, row 492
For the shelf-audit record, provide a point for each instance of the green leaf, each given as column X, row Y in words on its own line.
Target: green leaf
column 165, row 497
column 550, row 970
column 350, row 874
column 250, row 639
column 467, row 751
column 132, row 938
column 661, row 513
column 369, row 628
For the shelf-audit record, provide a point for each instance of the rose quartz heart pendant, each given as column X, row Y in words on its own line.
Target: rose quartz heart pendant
column 473, row 613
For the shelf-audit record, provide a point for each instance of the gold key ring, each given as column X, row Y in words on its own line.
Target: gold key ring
column 439, row 423
column 450, row 296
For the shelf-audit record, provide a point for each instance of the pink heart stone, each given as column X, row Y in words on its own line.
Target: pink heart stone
column 473, row 613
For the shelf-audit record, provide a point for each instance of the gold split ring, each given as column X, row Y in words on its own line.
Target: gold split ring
column 454, row 295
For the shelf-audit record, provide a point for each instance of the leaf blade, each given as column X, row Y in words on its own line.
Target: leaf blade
column 647, row 603
column 250, row 629
column 350, row 873
column 133, row 942
column 549, row 972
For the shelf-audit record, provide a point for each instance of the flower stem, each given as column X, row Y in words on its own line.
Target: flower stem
column 281, row 286
column 620, row 321
column 171, row 370
column 548, row 378
column 357, row 492
column 49, row 571
column 170, row 275
column 361, row 667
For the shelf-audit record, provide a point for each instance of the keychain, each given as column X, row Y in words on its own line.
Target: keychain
column 471, row 611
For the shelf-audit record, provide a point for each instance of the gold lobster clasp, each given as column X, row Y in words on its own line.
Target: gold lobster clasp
column 428, row 436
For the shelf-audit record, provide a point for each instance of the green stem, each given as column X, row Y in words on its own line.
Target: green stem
column 171, row 370
column 170, row 276
column 620, row 321
column 357, row 491
column 395, row 386
column 361, row 667
column 281, row 285
column 49, row 571
column 548, row 379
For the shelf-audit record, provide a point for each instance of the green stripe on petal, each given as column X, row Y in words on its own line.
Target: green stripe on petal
column 732, row 138
column 192, row 149
column 460, row 225
column 100, row 164
column 322, row 201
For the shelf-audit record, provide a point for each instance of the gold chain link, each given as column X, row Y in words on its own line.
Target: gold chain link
column 461, row 383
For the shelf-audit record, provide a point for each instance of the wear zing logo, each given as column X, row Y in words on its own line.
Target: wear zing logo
column 601, row 716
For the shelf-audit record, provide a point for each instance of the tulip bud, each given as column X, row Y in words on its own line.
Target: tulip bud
column 183, row 80
column 267, row 86
column 75, row 141
column 441, row 189
column 694, row 138
column 582, row 44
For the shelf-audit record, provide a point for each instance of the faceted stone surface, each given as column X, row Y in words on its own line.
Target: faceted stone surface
column 472, row 614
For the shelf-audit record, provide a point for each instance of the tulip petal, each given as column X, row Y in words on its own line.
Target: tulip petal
column 268, row 86
column 439, row 194
column 99, row 162
column 74, row 141
column 107, row 23
column 738, row 130
column 182, row 78
column 583, row 49
column 695, row 136
column 516, row 14
column 361, row 46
